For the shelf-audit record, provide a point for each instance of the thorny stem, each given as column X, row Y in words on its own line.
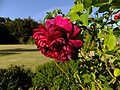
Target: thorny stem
column 61, row 69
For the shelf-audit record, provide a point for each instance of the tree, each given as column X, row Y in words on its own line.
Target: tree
column 21, row 29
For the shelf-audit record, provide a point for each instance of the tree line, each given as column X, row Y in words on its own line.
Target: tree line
column 18, row 31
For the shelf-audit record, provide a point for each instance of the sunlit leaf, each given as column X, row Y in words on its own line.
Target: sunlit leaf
column 74, row 17
column 84, row 18
column 93, row 75
column 100, row 35
column 76, row 8
column 110, row 41
column 116, row 72
column 93, row 86
column 86, row 78
column 107, row 88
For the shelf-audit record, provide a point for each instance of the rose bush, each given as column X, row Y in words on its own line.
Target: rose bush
column 57, row 39
column 99, row 56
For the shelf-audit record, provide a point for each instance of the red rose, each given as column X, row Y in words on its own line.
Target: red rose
column 57, row 39
column 117, row 16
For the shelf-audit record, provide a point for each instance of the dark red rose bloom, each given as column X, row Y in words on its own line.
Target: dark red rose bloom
column 117, row 16
column 57, row 39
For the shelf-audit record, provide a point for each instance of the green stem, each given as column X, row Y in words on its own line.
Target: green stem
column 61, row 69
column 79, row 81
column 97, row 84
column 78, row 78
column 113, row 80
column 108, row 68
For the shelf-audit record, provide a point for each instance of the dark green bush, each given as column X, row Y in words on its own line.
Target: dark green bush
column 45, row 75
column 51, row 76
column 15, row 77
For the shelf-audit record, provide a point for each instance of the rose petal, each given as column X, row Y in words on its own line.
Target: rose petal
column 76, row 31
column 49, row 23
column 117, row 16
column 77, row 43
column 58, row 20
column 57, row 39
column 64, row 23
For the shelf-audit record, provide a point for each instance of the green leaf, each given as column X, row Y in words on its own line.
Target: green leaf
column 87, row 3
column 102, row 78
column 76, row 8
column 116, row 31
column 104, row 8
column 99, row 2
column 107, row 88
column 74, row 12
column 93, row 86
column 110, row 31
column 110, row 41
column 75, row 76
column 104, row 50
column 116, row 72
column 100, row 35
column 74, row 17
column 84, row 18
column 86, row 78
column 59, row 11
column 115, row 4
column 93, row 75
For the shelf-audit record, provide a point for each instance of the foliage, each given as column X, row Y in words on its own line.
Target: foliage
column 16, row 31
column 100, row 54
column 44, row 75
column 5, row 36
column 75, row 75
column 99, row 36
column 99, row 65
column 50, row 76
column 15, row 77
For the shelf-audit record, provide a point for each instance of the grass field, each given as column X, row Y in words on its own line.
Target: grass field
column 26, row 55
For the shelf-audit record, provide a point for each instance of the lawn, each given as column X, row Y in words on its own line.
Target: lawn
column 27, row 55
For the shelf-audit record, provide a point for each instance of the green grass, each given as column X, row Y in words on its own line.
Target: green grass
column 27, row 55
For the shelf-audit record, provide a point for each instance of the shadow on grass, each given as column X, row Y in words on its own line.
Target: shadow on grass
column 15, row 51
column 7, row 53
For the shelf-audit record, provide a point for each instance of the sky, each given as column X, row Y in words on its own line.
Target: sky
column 36, row 9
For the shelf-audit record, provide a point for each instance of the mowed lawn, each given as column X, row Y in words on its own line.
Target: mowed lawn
column 27, row 55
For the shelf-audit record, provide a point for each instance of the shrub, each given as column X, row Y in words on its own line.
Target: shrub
column 74, row 75
column 50, row 76
column 80, row 74
column 99, row 65
column 15, row 77
column 45, row 75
